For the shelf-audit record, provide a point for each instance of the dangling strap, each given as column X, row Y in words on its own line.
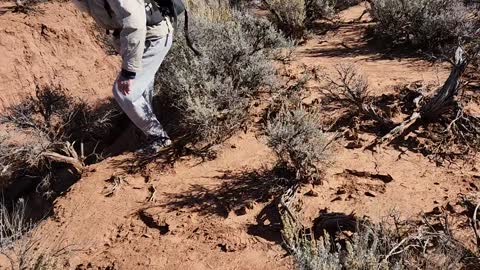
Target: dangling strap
column 107, row 7
column 173, row 11
column 187, row 37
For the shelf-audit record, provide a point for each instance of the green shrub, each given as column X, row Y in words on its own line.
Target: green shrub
column 428, row 24
column 296, row 137
column 389, row 245
column 295, row 17
column 211, row 94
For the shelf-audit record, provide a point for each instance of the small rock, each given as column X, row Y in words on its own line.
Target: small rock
column 452, row 208
column 341, row 191
column 350, row 135
column 241, row 211
column 226, row 248
column 353, row 145
column 338, row 198
column 152, row 220
column 435, row 211
column 312, row 193
column 472, row 185
column 370, row 194
column 250, row 205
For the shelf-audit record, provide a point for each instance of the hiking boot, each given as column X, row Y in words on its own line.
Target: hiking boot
column 155, row 145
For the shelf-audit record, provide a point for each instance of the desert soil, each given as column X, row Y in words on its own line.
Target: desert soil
column 187, row 216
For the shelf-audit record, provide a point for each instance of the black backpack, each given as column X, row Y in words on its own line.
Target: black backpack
column 157, row 10
column 172, row 9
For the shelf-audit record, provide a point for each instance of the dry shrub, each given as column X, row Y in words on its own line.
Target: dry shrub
column 295, row 133
column 426, row 24
column 214, row 11
column 210, row 95
column 27, row 6
column 295, row 18
column 349, row 87
column 19, row 245
column 49, row 127
column 349, row 91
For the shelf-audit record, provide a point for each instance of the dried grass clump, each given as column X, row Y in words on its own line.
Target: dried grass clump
column 210, row 95
column 19, row 244
column 426, row 24
column 212, row 11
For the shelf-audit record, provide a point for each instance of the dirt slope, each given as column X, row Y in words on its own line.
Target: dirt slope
column 349, row 45
column 183, row 227
column 193, row 221
column 54, row 44
column 418, row 185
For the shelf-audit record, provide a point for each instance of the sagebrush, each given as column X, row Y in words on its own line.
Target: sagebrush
column 425, row 24
column 295, row 18
column 390, row 244
column 210, row 95
column 298, row 141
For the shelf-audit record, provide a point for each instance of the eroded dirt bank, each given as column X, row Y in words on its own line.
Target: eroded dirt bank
column 54, row 44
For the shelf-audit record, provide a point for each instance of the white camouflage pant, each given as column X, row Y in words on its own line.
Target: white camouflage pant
column 138, row 103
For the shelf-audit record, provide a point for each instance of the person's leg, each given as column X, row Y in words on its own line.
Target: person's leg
column 135, row 105
column 148, row 94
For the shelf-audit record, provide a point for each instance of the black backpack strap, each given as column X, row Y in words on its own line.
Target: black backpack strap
column 107, row 7
column 172, row 7
column 187, row 36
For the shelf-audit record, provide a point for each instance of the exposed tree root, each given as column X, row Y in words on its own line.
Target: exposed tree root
column 71, row 157
column 442, row 102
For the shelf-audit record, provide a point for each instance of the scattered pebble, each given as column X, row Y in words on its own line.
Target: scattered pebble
column 312, row 193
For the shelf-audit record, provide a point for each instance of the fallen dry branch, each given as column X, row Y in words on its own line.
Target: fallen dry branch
column 116, row 182
column 71, row 157
column 64, row 159
column 443, row 101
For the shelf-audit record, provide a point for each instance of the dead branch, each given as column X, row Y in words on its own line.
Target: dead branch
column 441, row 102
column 64, row 159
column 116, row 183
column 153, row 194
column 71, row 157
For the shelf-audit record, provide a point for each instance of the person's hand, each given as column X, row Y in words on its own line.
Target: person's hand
column 124, row 85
